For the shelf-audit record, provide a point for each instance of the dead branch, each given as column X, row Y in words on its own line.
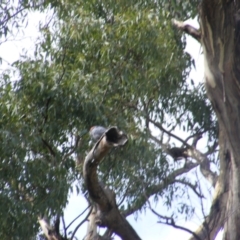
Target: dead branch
column 171, row 222
column 196, row 139
column 212, row 148
column 107, row 214
column 188, row 151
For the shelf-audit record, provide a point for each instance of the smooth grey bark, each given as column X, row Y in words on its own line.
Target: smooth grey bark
column 220, row 39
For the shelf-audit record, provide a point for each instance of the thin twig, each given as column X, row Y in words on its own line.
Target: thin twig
column 80, row 224
column 77, row 217
column 73, row 150
column 170, row 222
column 49, row 147
column 64, row 227
column 156, row 124
column 200, row 195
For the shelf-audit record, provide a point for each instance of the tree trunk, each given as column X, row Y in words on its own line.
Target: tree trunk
column 220, row 38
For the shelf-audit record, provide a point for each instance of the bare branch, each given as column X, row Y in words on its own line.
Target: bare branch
column 77, row 217
column 64, row 227
column 190, row 30
column 175, row 152
column 49, row 147
column 49, row 231
column 111, row 138
column 107, row 235
column 160, row 187
column 156, row 124
column 57, row 224
column 189, row 151
column 212, row 148
column 196, row 138
column 169, row 220
column 193, row 187
column 81, row 223
column 107, row 214
column 204, row 162
column 73, row 149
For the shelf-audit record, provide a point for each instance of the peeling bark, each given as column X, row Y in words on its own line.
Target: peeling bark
column 220, row 40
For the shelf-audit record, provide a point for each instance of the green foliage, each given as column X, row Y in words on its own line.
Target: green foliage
column 99, row 62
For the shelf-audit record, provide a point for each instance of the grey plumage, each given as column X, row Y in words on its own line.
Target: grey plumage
column 96, row 132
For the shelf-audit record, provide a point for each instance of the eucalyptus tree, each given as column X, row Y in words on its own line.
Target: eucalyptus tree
column 120, row 64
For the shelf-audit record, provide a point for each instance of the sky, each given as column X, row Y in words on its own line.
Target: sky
column 146, row 225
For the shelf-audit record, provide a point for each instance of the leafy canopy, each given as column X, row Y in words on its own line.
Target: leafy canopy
column 96, row 63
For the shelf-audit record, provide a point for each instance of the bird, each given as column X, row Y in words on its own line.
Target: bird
column 96, row 132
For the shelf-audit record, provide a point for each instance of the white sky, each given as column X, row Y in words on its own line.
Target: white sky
column 146, row 225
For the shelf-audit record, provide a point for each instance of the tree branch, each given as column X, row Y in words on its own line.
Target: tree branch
column 204, row 162
column 49, row 147
column 77, row 217
column 160, row 187
column 73, row 149
column 217, row 216
column 188, row 29
column 215, row 220
column 107, row 214
column 64, row 227
column 189, row 151
column 169, row 220
column 49, row 231
column 81, row 223
column 193, row 187
column 156, row 124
